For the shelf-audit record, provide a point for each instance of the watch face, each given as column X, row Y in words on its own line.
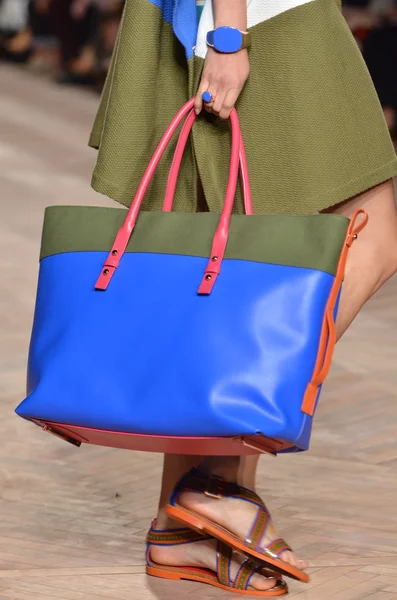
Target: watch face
column 227, row 39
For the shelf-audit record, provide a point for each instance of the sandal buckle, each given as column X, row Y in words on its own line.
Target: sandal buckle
column 211, row 495
column 213, row 489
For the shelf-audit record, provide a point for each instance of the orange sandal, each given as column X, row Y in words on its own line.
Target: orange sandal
column 220, row 578
column 215, row 487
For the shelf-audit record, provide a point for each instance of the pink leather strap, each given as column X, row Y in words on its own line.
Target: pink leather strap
column 245, row 180
column 220, row 239
column 176, row 164
column 176, row 161
column 213, row 268
column 113, row 259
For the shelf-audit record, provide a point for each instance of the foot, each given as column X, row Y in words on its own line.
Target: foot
column 203, row 554
column 237, row 517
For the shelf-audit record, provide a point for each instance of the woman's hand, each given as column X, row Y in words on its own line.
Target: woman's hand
column 224, row 76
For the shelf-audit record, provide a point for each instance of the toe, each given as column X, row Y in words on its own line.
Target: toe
column 263, row 583
column 269, row 573
column 289, row 558
column 292, row 560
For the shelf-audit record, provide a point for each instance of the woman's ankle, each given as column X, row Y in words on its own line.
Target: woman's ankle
column 163, row 521
column 226, row 467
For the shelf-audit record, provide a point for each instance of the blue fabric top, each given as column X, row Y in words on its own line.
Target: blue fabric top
column 182, row 15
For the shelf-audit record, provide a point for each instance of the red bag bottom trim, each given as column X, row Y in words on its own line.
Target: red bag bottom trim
column 215, row 446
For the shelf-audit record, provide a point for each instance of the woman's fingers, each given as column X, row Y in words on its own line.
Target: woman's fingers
column 209, row 98
column 228, row 103
column 224, row 77
column 222, row 102
column 208, row 101
column 219, row 101
column 199, row 102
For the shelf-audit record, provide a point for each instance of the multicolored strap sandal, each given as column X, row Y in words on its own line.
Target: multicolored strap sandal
column 220, row 579
column 214, row 487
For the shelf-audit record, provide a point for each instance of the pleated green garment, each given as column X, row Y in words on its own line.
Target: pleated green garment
column 312, row 124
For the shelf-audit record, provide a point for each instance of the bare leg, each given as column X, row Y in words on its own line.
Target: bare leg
column 242, row 470
column 202, row 554
column 372, row 261
column 373, row 256
column 174, row 468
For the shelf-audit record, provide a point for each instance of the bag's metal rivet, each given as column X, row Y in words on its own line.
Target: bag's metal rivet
column 208, row 277
column 355, row 236
column 214, row 258
column 114, row 252
column 106, row 271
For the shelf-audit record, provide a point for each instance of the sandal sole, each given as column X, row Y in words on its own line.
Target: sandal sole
column 199, row 575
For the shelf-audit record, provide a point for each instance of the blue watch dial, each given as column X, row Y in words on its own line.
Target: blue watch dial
column 225, row 39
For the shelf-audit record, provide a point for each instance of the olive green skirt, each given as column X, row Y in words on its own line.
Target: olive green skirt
column 312, row 124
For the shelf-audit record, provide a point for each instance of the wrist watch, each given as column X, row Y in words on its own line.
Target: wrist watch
column 228, row 39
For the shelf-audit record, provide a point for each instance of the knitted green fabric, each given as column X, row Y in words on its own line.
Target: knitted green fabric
column 313, row 127
column 312, row 241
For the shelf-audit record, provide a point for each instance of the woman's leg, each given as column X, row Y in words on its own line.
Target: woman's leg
column 235, row 515
column 247, row 469
column 174, row 468
column 203, row 554
column 372, row 258
column 372, row 261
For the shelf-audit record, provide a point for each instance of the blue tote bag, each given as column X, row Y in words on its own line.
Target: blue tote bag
column 185, row 333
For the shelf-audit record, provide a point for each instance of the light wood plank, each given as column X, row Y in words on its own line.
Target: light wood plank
column 73, row 522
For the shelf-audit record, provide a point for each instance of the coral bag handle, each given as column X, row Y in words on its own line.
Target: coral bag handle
column 221, row 236
column 176, row 164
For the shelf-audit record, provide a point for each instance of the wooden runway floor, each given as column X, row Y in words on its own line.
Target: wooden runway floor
column 73, row 521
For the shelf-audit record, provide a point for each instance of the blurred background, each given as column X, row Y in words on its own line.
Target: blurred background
column 71, row 41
